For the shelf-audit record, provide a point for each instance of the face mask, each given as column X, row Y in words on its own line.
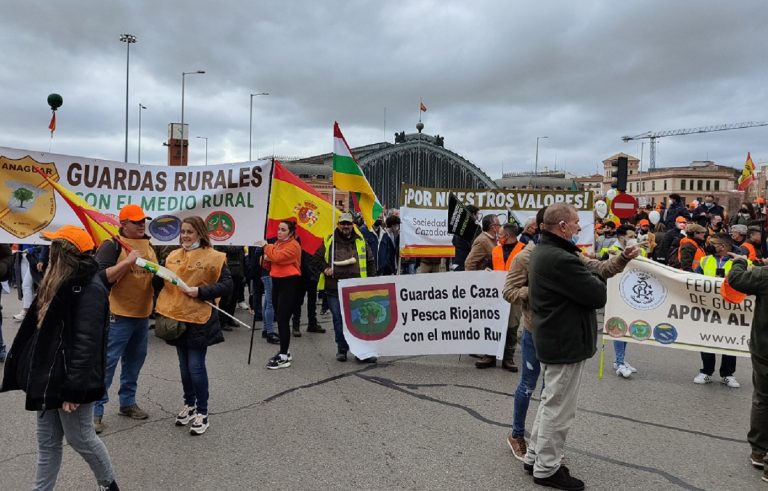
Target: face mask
column 709, row 205
column 191, row 247
column 575, row 239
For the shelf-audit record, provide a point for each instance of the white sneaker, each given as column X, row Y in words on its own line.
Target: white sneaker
column 199, row 424
column 731, row 382
column 702, row 378
column 243, row 306
column 623, row 371
column 185, row 415
column 626, row 364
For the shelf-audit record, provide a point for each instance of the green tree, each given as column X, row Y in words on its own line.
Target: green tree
column 23, row 194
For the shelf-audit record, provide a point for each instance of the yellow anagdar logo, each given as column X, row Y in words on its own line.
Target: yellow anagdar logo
column 27, row 201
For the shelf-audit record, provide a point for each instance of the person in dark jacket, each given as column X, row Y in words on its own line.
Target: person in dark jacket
column 706, row 210
column 308, row 286
column 563, row 294
column 389, row 249
column 205, row 272
column 6, row 268
column 675, row 209
column 463, row 246
column 754, row 281
column 59, row 354
column 236, row 266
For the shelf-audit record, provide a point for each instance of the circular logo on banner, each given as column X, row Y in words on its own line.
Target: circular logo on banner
column 221, row 225
column 616, row 327
column 640, row 330
column 665, row 333
column 642, row 290
column 165, row 228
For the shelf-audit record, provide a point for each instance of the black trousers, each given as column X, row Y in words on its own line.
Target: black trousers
column 284, row 297
column 727, row 364
column 308, row 288
column 758, row 417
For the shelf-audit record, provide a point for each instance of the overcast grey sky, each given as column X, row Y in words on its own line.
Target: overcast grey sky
column 494, row 75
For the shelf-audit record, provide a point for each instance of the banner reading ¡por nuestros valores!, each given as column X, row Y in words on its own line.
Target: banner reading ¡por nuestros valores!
column 425, row 314
column 656, row 305
column 424, row 214
column 231, row 198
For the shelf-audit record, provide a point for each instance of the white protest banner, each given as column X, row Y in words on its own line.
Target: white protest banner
column 231, row 198
column 425, row 314
column 424, row 214
column 656, row 305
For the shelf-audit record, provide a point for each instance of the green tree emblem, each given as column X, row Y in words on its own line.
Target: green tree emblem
column 22, row 195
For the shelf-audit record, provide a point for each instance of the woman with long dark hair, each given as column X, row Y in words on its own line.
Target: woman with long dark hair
column 285, row 257
column 58, row 357
column 205, row 271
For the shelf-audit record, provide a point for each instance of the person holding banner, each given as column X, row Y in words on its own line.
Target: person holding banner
column 130, row 300
column 719, row 265
column 351, row 259
column 461, row 245
column 205, row 271
column 285, row 258
column 754, row 281
column 563, row 294
column 502, row 256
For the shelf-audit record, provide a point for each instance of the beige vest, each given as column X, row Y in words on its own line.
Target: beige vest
column 132, row 295
column 199, row 267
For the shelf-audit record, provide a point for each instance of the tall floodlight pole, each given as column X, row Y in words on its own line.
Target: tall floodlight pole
column 183, row 76
column 128, row 39
column 250, row 126
column 141, row 106
column 206, row 147
column 536, row 165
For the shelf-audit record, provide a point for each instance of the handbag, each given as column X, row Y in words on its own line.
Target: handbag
column 167, row 328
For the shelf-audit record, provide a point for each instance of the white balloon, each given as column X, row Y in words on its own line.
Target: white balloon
column 601, row 208
column 654, row 217
column 611, row 194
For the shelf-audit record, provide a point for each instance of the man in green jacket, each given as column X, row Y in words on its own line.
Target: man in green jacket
column 755, row 282
column 563, row 294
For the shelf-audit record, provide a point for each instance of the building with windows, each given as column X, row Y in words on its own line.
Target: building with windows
column 691, row 182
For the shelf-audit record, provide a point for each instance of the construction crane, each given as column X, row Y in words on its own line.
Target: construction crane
column 653, row 135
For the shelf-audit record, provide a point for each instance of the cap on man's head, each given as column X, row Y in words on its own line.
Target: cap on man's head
column 133, row 213
column 681, row 219
column 346, row 218
column 760, row 201
column 739, row 229
column 755, row 228
column 644, row 222
column 695, row 228
column 74, row 235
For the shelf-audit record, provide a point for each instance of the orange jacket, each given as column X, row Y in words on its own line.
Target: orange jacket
column 285, row 257
column 751, row 250
column 697, row 256
column 498, row 256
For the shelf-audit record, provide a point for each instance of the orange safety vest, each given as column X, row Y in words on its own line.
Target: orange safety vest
column 752, row 253
column 699, row 251
column 498, row 256
column 132, row 296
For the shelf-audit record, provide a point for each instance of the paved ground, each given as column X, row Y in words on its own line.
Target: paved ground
column 427, row 422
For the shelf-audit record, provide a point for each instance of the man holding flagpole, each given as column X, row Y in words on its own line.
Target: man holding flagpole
column 130, row 304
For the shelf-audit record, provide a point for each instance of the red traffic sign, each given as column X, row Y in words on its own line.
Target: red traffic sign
column 624, row 206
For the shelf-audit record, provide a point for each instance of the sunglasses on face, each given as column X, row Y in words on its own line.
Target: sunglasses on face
column 138, row 223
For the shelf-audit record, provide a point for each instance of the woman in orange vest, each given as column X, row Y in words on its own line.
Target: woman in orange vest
column 691, row 249
column 285, row 257
column 205, row 271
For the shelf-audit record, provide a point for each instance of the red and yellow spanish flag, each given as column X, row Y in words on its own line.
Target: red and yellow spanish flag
column 52, row 124
column 422, row 107
column 747, row 175
column 291, row 198
column 100, row 226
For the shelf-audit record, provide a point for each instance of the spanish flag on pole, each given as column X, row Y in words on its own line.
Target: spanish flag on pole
column 292, row 198
column 100, row 226
column 348, row 176
column 747, row 175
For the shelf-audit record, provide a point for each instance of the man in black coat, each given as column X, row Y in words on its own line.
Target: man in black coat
column 563, row 294
column 706, row 210
column 6, row 268
column 675, row 209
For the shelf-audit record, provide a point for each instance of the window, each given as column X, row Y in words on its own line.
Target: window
column 699, row 185
column 682, row 184
column 643, row 186
column 665, row 184
column 653, row 185
column 708, row 184
column 692, row 184
column 717, row 185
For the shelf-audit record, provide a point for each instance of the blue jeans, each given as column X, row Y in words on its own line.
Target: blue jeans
column 338, row 327
column 620, row 347
column 267, row 310
column 194, row 377
column 52, row 426
column 127, row 343
column 526, row 387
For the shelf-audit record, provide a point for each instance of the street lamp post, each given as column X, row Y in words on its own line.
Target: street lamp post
column 250, row 127
column 206, row 147
column 183, row 76
column 128, row 39
column 536, row 165
column 141, row 106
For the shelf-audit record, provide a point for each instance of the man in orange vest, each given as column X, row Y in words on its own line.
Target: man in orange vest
column 753, row 243
column 130, row 303
column 691, row 249
column 501, row 259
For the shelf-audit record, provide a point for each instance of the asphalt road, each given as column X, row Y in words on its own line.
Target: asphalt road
column 425, row 422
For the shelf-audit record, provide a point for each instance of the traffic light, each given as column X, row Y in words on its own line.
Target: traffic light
column 619, row 174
